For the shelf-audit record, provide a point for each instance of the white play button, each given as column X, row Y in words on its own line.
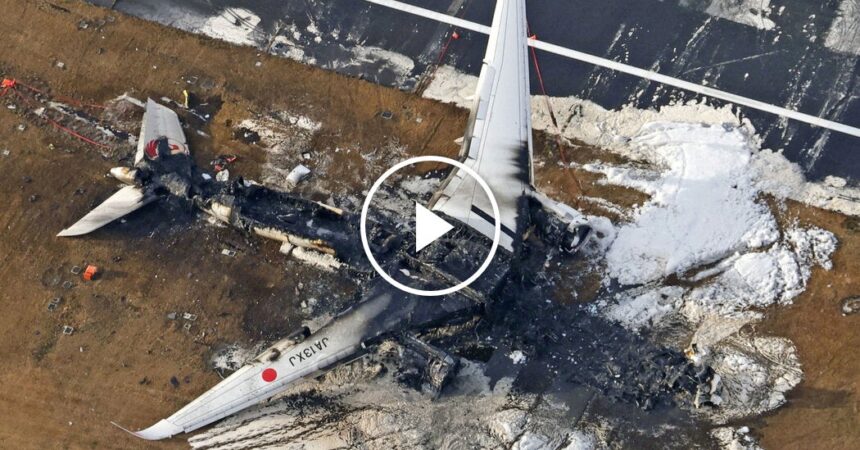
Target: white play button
column 428, row 227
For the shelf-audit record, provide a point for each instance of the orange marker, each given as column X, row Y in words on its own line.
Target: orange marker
column 91, row 272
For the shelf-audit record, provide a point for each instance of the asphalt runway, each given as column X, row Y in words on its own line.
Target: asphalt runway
column 787, row 65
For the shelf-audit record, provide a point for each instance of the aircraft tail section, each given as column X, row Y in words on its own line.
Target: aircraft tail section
column 160, row 123
column 161, row 150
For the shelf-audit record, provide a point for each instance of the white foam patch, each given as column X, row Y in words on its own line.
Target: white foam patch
column 450, row 86
column 234, row 356
column 286, row 47
column 756, row 375
column 517, row 357
column 756, row 372
column 761, row 279
column 784, row 179
column 731, row 289
column 578, row 440
column 644, row 307
column 754, row 13
column 420, row 186
column 353, row 59
column 383, row 59
column 702, row 209
column 729, row 438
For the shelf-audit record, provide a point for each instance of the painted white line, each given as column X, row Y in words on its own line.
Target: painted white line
column 631, row 70
column 433, row 15
column 697, row 88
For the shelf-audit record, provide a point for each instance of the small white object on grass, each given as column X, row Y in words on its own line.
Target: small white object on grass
column 297, row 175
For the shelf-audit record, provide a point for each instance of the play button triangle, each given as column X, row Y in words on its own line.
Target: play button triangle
column 428, row 227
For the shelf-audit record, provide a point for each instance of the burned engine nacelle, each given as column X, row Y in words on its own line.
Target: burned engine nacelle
column 126, row 175
column 440, row 366
column 558, row 224
column 575, row 237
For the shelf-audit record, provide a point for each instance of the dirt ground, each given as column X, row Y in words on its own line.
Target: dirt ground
column 62, row 391
column 824, row 410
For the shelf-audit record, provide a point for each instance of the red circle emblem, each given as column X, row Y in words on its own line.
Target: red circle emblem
column 269, row 375
column 151, row 149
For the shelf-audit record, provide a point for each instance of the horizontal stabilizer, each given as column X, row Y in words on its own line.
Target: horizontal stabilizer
column 124, row 201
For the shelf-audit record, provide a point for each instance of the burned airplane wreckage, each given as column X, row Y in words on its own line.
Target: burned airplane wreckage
column 384, row 313
column 536, row 230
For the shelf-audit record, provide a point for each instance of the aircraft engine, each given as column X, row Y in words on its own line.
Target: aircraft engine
column 125, row 175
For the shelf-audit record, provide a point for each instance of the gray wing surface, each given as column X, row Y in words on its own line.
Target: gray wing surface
column 126, row 200
column 283, row 364
column 498, row 142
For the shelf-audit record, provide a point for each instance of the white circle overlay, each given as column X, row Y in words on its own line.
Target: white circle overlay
column 496, row 233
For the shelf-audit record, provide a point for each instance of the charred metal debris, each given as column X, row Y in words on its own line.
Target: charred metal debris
column 504, row 308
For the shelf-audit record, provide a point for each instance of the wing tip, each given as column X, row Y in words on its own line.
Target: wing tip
column 161, row 430
column 123, row 428
column 133, row 433
column 119, row 204
column 67, row 233
column 76, row 230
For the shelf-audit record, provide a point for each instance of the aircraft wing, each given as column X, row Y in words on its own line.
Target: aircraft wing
column 124, row 201
column 274, row 370
column 160, row 121
column 498, row 142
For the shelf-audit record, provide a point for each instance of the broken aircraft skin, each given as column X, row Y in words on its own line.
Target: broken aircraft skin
column 538, row 229
column 164, row 168
column 283, row 217
column 385, row 313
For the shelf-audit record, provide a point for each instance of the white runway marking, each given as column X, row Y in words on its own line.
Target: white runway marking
column 631, row 70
